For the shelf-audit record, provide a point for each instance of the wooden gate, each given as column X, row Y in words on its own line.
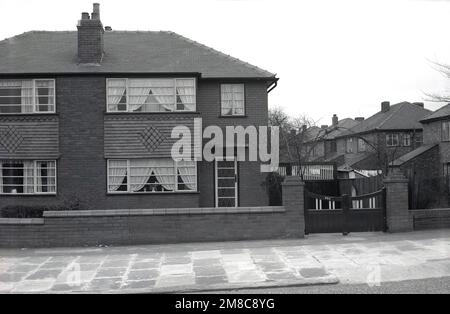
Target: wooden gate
column 333, row 214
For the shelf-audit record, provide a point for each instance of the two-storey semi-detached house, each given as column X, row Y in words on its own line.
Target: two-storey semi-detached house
column 383, row 137
column 432, row 159
column 88, row 115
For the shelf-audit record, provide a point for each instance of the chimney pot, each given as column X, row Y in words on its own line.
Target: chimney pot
column 335, row 120
column 359, row 119
column 85, row 16
column 108, row 28
column 96, row 11
column 420, row 104
column 385, row 106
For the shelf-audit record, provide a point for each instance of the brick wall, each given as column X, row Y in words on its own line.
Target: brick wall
column 82, row 167
column 122, row 227
column 431, row 218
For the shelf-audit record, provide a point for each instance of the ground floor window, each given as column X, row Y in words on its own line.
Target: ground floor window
column 27, row 177
column 151, row 175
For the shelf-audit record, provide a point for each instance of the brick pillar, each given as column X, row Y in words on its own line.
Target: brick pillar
column 397, row 207
column 293, row 201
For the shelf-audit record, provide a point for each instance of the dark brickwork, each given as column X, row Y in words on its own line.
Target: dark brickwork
column 253, row 223
column 397, row 203
column 431, row 219
column 82, row 167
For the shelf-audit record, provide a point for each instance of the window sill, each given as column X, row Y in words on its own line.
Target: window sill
column 153, row 193
column 27, row 195
column 151, row 113
column 233, row 116
column 28, row 114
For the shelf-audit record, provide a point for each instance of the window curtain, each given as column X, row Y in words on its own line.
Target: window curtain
column 163, row 91
column 116, row 90
column 140, row 172
column 28, row 176
column 227, row 99
column 27, row 96
column 185, row 89
column 117, row 173
column 188, row 174
column 163, row 168
column 139, row 91
column 238, row 99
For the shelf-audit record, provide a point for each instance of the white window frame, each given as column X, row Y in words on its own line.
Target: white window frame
column 362, row 145
column 244, row 102
column 34, row 105
column 349, row 145
column 445, row 137
column 236, row 186
column 406, row 140
column 128, row 191
column 395, row 136
column 150, row 78
column 35, row 183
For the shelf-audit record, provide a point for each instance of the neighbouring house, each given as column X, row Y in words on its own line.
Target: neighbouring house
column 88, row 115
column 378, row 140
column 428, row 167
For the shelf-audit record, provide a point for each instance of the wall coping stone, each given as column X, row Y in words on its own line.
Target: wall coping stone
column 21, row 221
column 165, row 211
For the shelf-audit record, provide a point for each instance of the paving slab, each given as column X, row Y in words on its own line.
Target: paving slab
column 318, row 259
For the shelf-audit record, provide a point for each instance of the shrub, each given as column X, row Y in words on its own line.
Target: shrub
column 27, row 211
column 273, row 188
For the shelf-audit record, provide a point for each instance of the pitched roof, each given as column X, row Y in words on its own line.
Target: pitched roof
column 413, row 154
column 125, row 52
column 441, row 113
column 342, row 126
column 401, row 116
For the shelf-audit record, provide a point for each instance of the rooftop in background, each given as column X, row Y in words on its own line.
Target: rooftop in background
column 341, row 127
column 441, row 113
column 125, row 52
column 413, row 154
column 401, row 116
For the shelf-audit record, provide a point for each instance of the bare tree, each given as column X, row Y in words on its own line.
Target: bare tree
column 443, row 97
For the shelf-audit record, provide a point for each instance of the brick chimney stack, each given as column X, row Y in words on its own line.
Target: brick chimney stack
column 90, row 37
column 385, row 106
column 335, row 120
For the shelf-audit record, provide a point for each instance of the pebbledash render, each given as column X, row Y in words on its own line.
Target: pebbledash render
column 87, row 115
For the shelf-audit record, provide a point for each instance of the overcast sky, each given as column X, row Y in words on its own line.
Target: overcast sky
column 341, row 57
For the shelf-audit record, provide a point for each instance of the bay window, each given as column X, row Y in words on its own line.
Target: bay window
column 151, row 95
column 27, row 96
column 232, row 99
column 151, row 175
column 27, row 177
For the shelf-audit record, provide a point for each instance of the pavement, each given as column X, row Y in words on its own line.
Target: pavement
column 360, row 258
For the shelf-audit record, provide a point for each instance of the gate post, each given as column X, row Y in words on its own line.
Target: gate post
column 294, row 203
column 398, row 217
column 345, row 212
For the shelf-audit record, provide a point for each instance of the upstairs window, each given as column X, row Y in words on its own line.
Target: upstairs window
column 392, row 140
column 406, row 139
column 361, row 145
column 27, row 96
column 349, row 145
column 232, row 99
column 151, row 175
column 151, row 95
column 446, row 131
column 27, row 177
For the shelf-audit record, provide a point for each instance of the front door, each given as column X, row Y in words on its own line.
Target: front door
column 226, row 182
